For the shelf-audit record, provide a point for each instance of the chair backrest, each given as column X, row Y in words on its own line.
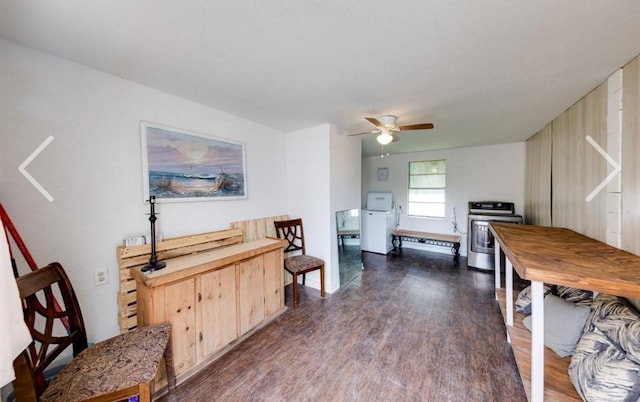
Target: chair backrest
column 45, row 318
column 291, row 230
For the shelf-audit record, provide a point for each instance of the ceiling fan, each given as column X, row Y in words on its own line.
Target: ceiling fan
column 387, row 128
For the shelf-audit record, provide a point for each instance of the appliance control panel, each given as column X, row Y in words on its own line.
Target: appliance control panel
column 492, row 207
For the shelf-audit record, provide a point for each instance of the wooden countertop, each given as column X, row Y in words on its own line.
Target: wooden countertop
column 561, row 256
column 181, row 267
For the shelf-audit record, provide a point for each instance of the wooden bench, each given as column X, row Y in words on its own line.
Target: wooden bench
column 435, row 239
column 348, row 234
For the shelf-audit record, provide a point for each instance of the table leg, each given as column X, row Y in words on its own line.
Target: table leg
column 537, row 341
column 497, row 266
column 509, row 290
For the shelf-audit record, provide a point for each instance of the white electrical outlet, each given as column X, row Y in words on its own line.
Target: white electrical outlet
column 101, row 277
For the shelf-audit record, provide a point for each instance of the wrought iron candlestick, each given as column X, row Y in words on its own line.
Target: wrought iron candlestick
column 153, row 264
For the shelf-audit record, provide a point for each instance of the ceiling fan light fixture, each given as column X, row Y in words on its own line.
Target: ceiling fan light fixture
column 388, row 121
column 384, row 137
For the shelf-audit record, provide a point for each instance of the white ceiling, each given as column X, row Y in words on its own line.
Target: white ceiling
column 484, row 72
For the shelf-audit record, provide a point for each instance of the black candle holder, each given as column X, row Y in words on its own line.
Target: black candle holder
column 153, row 264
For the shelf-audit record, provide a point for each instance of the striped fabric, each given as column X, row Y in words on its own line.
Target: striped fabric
column 630, row 341
column 523, row 301
column 606, row 363
column 577, row 296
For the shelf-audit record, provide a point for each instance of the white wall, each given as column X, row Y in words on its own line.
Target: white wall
column 323, row 176
column 473, row 174
column 308, row 176
column 346, row 174
column 92, row 169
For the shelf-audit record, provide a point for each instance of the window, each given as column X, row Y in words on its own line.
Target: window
column 426, row 188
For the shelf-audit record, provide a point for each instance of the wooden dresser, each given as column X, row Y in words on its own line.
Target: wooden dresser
column 212, row 299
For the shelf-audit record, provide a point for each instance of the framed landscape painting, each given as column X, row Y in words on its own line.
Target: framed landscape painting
column 180, row 165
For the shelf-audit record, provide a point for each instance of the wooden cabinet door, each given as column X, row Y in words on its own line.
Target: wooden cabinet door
column 217, row 310
column 273, row 283
column 180, row 310
column 251, row 292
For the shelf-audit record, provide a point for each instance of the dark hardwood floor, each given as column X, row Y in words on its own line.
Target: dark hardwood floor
column 412, row 327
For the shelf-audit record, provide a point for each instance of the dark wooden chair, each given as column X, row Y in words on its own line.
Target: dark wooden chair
column 115, row 369
column 292, row 231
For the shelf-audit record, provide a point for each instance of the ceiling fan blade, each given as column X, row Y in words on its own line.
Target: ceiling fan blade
column 423, row 126
column 396, row 138
column 374, row 121
column 363, row 133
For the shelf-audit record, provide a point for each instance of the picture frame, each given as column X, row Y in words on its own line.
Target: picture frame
column 383, row 174
column 184, row 166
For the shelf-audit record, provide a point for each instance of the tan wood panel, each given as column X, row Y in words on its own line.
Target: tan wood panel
column 180, row 311
column 217, row 310
column 182, row 242
column 251, row 293
column 254, row 229
column 631, row 156
column 273, row 277
column 128, row 322
column 595, row 125
column 147, row 310
column 126, row 299
column 560, row 159
column 577, row 168
column 537, row 209
column 130, row 261
column 562, row 256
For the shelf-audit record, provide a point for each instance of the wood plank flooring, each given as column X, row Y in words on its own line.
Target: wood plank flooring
column 411, row 327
